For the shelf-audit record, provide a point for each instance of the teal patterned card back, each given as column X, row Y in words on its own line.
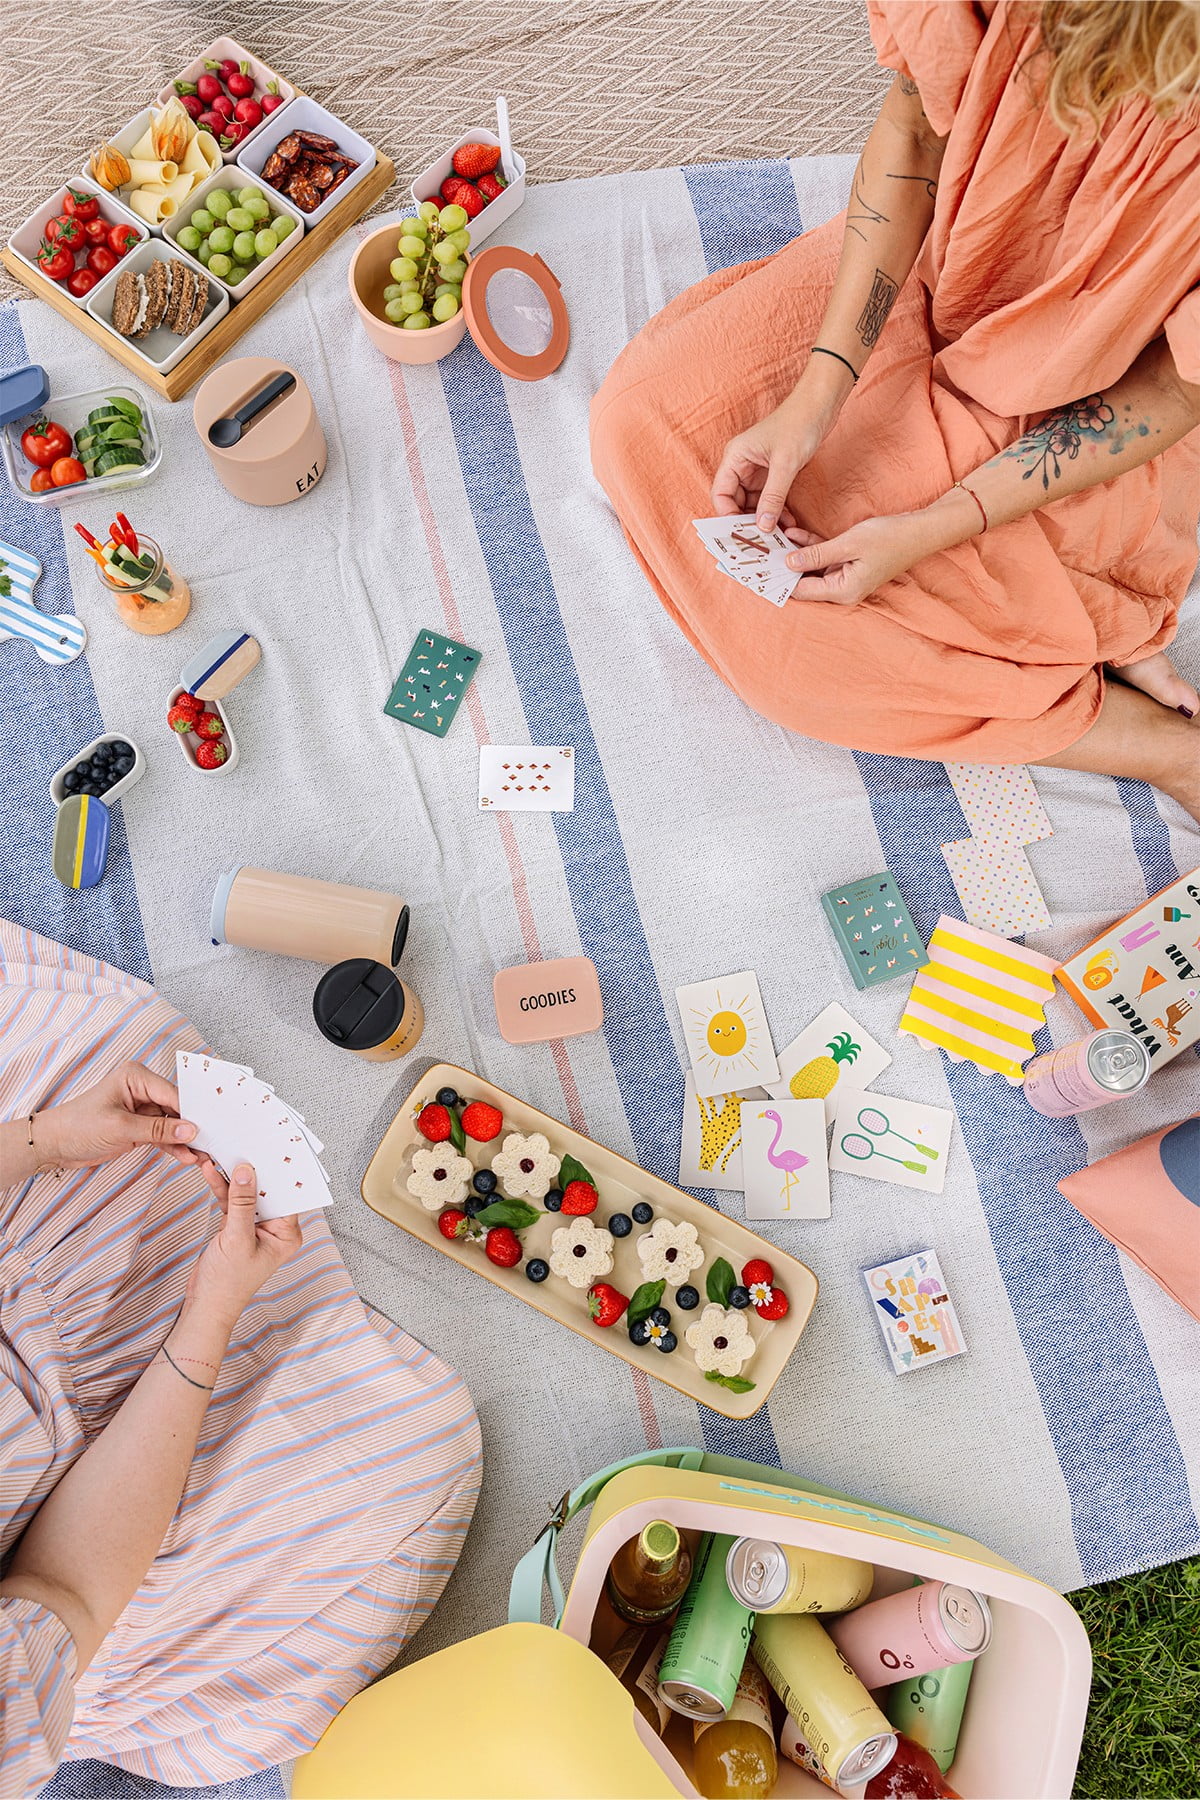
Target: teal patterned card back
column 430, row 687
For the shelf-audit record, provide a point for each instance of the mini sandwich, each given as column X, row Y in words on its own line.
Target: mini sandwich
column 168, row 293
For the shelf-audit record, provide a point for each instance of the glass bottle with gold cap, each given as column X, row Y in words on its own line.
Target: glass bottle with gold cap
column 648, row 1575
column 734, row 1758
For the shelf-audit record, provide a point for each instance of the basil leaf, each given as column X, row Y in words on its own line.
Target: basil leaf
column 458, row 1136
column 644, row 1300
column 737, row 1384
column 720, row 1282
column 572, row 1170
column 508, row 1212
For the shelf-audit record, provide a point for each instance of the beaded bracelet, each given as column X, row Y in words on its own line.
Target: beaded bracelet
column 977, row 500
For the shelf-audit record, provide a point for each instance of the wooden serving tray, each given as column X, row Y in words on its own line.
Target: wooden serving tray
column 621, row 1184
column 242, row 313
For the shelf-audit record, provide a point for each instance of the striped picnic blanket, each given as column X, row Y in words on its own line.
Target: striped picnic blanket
column 1068, row 1438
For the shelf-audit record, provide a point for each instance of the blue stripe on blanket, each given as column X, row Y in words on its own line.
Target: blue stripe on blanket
column 1112, row 1432
column 53, row 713
column 103, row 1781
column 597, row 873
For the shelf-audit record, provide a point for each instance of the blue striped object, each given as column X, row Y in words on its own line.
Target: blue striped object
column 57, row 638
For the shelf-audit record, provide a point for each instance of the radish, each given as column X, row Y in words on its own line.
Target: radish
column 240, row 85
column 223, row 105
column 212, row 121
column 227, row 68
column 272, row 101
column 232, row 133
column 209, row 89
column 249, row 112
column 192, row 105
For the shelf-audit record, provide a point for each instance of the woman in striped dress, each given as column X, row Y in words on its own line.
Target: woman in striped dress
column 228, row 1492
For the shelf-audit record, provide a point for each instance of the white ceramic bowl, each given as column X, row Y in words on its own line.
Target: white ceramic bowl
column 26, row 238
column 58, row 792
column 231, row 177
column 184, row 740
column 71, row 412
column 218, row 51
column 427, row 184
column 305, row 115
column 124, row 140
column 160, row 347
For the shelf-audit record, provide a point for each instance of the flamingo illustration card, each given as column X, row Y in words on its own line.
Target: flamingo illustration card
column 784, row 1169
column 710, row 1147
column 728, row 1039
column 831, row 1056
column 891, row 1140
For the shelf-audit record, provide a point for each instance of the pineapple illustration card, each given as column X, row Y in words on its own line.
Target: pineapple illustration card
column 728, row 1039
column 891, row 1140
column 830, row 1056
column 710, row 1150
column 784, row 1168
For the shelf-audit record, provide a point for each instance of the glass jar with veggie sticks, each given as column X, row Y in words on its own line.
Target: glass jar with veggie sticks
column 151, row 598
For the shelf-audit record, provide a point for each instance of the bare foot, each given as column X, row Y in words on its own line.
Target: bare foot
column 1157, row 676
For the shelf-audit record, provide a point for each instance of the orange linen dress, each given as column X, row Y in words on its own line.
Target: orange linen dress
column 1051, row 263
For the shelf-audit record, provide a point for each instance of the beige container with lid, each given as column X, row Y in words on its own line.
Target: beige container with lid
column 281, row 452
column 322, row 921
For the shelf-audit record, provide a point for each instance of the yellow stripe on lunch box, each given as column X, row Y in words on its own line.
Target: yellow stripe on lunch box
column 81, row 834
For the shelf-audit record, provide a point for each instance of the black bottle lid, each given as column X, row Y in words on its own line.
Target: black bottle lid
column 358, row 1004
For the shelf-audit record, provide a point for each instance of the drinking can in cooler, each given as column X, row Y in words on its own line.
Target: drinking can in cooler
column 839, row 1721
column 708, row 1645
column 1108, row 1065
column 910, row 1633
column 781, row 1578
column 929, row 1709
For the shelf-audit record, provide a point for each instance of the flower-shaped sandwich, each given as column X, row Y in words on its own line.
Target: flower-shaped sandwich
column 440, row 1177
column 581, row 1252
column 527, row 1166
column 670, row 1252
column 720, row 1340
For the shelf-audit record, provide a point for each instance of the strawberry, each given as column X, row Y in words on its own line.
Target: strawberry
column 210, row 755
column 757, row 1270
column 579, row 1197
column 453, row 1223
column 491, row 186
column 209, row 726
column 457, row 192
column 773, row 1305
column 189, row 703
column 433, row 1122
column 503, row 1247
column 474, row 160
column 605, row 1304
column 482, row 1122
column 181, row 720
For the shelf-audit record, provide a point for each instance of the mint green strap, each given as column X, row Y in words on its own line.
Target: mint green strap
column 538, row 1566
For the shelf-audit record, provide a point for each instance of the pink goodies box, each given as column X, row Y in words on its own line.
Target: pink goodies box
column 539, row 1001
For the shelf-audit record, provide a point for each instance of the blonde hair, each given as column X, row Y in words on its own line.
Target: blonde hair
column 1101, row 52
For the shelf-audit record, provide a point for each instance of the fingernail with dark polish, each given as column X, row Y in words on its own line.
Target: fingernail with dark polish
column 1186, row 711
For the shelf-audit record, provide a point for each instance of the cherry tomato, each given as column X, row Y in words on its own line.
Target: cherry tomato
column 56, row 261
column 66, row 470
column 81, row 282
column 44, row 442
column 80, row 205
column 101, row 260
column 96, row 231
column 121, row 239
column 41, row 481
column 65, row 230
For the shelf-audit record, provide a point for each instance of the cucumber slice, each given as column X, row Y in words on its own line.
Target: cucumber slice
column 117, row 462
column 132, row 413
column 104, row 415
column 85, row 435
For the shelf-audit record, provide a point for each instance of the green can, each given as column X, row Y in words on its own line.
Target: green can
column 707, row 1648
column 929, row 1710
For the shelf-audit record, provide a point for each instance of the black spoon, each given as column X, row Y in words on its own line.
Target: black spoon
column 225, row 433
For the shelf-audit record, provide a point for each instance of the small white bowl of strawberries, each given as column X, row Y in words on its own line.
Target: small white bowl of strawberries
column 472, row 175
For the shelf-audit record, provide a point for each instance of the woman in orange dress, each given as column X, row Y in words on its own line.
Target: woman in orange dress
column 972, row 401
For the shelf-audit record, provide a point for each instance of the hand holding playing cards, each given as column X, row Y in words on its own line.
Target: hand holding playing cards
column 129, row 1108
column 760, row 465
column 847, row 568
column 243, row 1255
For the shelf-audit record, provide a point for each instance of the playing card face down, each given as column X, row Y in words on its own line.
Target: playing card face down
column 433, row 683
column 242, row 1119
column 526, row 778
column 784, row 1170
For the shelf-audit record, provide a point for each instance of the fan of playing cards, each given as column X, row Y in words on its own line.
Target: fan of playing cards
column 755, row 558
column 241, row 1119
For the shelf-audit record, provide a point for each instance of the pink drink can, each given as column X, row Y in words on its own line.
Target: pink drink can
column 910, row 1633
column 1106, row 1066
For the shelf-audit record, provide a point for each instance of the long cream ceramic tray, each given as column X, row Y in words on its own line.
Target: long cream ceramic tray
column 621, row 1185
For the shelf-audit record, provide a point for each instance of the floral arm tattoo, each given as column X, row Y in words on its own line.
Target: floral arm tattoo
column 1059, row 437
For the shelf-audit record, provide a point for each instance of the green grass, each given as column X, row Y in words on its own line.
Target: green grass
column 1142, row 1737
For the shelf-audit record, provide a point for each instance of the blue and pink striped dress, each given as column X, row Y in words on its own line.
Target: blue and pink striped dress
column 336, row 1472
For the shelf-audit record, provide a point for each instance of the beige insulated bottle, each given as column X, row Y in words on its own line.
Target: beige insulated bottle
column 323, row 921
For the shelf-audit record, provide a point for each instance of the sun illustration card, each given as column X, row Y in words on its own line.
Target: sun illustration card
column 784, row 1167
column 891, row 1140
column 830, row 1056
column 710, row 1147
column 727, row 1035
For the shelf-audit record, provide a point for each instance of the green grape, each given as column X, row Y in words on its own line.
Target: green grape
column 265, row 243
column 411, row 246
column 402, row 268
column 238, row 219
column 444, row 252
column 202, row 221
column 249, row 193
column 394, row 312
column 444, row 307
column 453, row 218
column 219, row 266
column 410, row 287
column 189, row 239
column 283, row 226
column 418, row 321
column 454, row 271
column 238, row 273
column 205, row 252
column 429, row 211
column 243, row 246
column 221, row 239
column 448, row 287
column 257, row 207
column 219, row 202
column 392, row 291
column 410, row 303
column 460, row 239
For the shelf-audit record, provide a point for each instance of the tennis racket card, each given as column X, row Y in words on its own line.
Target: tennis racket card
column 901, row 1141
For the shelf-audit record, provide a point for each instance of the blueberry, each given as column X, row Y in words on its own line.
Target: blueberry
column 121, row 748
column 620, row 1225
column 536, row 1269
column 739, row 1296
column 81, row 768
column 123, row 765
column 660, row 1316
column 474, row 1204
column 667, row 1342
column 88, row 787
column 70, row 782
column 687, row 1297
column 447, row 1097
column 643, row 1212
column 553, row 1200
column 103, row 753
column 483, row 1181
column 639, row 1333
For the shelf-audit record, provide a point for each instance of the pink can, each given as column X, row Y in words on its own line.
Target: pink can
column 1108, row 1065
column 910, row 1633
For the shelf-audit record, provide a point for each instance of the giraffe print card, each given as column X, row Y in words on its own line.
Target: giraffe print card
column 784, row 1169
column 241, row 1119
column 433, row 683
column 914, row 1311
column 710, row 1149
